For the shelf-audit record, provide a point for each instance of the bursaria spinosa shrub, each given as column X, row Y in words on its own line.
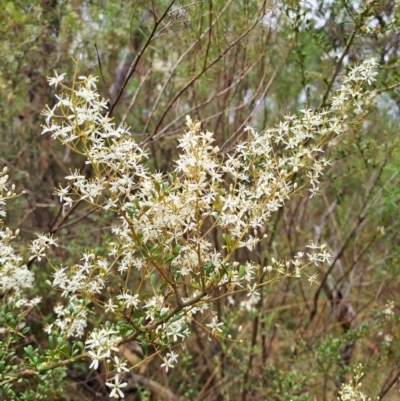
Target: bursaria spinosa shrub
column 351, row 391
column 164, row 222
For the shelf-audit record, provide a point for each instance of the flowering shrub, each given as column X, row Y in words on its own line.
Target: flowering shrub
column 351, row 391
column 14, row 277
column 165, row 222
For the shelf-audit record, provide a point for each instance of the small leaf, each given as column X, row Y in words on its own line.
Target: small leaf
column 143, row 250
column 153, row 280
column 176, row 249
column 209, row 266
column 196, row 286
column 145, row 347
column 25, row 330
column 175, row 318
column 152, row 248
column 28, row 350
column 175, row 188
column 169, row 258
column 183, row 328
column 223, row 268
column 157, row 257
column 165, row 186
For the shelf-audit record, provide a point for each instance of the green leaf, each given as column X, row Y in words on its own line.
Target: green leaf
column 230, row 242
column 175, row 318
column 169, row 258
column 209, row 266
column 25, row 330
column 29, row 351
column 175, row 188
column 143, row 250
column 183, row 327
column 165, row 186
column 144, row 347
column 176, row 249
column 153, row 280
column 224, row 270
column 152, row 248
column 242, row 270
column 196, row 286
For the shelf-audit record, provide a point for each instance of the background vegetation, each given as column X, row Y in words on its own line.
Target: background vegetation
column 229, row 63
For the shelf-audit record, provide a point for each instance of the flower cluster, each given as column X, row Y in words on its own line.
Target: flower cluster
column 166, row 221
column 351, row 391
column 101, row 343
column 352, row 88
column 15, row 277
column 71, row 321
column 40, row 245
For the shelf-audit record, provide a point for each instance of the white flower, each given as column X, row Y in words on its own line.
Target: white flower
column 48, row 328
column 39, row 246
column 56, row 79
column 48, row 113
column 62, row 192
column 215, row 326
column 174, row 331
column 129, row 300
column 75, row 176
column 120, row 365
column 110, row 307
column 116, row 388
column 250, row 243
column 169, row 359
column 89, row 81
column 50, row 128
column 388, row 311
column 252, row 291
column 313, row 279
column 96, row 357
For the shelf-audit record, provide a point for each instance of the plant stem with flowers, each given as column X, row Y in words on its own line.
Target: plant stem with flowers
column 161, row 257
